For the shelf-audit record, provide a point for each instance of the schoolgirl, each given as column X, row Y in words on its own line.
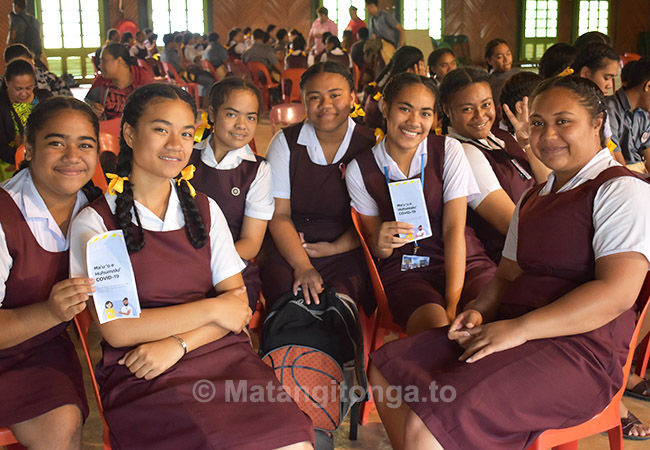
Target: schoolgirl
column 456, row 267
column 230, row 173
column 498, row 58
column 499, row 163
column 43, row 398
column 548, row 345
column 314, row 241
column 193, row 304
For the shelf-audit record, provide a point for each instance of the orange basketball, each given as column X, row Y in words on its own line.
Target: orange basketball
column 313, row 379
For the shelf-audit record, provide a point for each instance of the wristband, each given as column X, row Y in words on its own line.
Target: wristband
column 181, row 342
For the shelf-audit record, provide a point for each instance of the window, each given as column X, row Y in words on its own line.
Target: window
column 424, row 15
column 70, row 31
column 168, row 16
column 540, row 28
column 339, row 12
column 593, row 15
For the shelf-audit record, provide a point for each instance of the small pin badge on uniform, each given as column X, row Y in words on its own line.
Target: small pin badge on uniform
column 235, row 191
column 645, row 136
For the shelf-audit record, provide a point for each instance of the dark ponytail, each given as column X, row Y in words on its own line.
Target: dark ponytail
column 133, row 110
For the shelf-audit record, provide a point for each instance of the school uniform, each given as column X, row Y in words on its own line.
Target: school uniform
column 339, row 56
column 320, row 209
column 295, row 61
column 373, row 117
column 497, row 162
column 630, row 129
column 447, row 176
column 43, row 372
column 164, row 413
column 241, row 185
column 507, row 399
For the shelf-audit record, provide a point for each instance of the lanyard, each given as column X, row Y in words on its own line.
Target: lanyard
column 525, row 176
column 415, row 242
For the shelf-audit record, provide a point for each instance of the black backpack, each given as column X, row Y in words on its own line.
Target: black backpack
column 328, row 335
column 32, row 34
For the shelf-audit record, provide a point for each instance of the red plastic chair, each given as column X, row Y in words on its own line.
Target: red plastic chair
column 82, row 321
column 8, row 439
column 609, row 419
column 208, row 67
column 256, row 68
column 292, row 75
column 112, row 126
column 174, row 78
column 627, row 57
column 642, row 358
column 157, row 68
column 239, row 69
column 286, row 114
column 146, row 66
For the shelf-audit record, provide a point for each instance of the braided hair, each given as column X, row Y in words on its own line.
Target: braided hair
column 455, row 81
column 134, row 108
column 517, row 87
column 594, row 56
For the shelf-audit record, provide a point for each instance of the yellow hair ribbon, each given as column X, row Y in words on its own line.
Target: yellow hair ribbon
column 116, row 184
column 566, row 72
column 372, row 84
column 358, row 111
column 377, row 96
column 187, row 174
column 438, row 131
column 200, row 130
column 379, row 134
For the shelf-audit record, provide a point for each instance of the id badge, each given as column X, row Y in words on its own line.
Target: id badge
column 410, row 262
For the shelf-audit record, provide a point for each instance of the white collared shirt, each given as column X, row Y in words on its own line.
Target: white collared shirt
column 278, row 155
column 259, row 199
column 621, row 214
column 22, row 190
column 224, row 263
column 485, row 177
column 457, row 178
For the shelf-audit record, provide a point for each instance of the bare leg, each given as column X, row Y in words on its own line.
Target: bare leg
column 299, row 446
column 393, row 411
column 59, row 429
column 419, row 436
column 426, row 317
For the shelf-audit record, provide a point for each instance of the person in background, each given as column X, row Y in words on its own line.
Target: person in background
column 139, row 50
column 262, row 53
column 236, row 45
column 356, row 51
column 112, row 36
column 150, row 41
column 356, row 23
column 190, row 52
column 334, row 52
column 498, row 58
column 20, row 21
column 385, row 27
column 127, row 40
column 47, row 83
column 321, row 25
column 269, row 31
column 296, row 59
column 556, row 59
column 248, row 38
column 348, row 40
column 282, row 42
column 591, row 36
column 441, row 61
column 216, row 53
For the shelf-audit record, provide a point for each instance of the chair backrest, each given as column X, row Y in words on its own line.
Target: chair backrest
column 155, row 66
column 292, row 75
column 171, row 74
column 286, row 114
column 385, row 317
column 256, row 68
column 8, row 439
column 239, row 69
column 628, row 56
column 82, row 321
column 112, row 126
column 108, row 142
column 207, row 65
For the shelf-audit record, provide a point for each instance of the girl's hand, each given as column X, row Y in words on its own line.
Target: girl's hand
column 320, row 249
column 388, row 238
column 234, row 312
column 98, row 109
column 421, row 69
column 153, row 358
column 494, row 337
column 520, row 122
column 68, row 297
column 463, row 326
column 310, row 281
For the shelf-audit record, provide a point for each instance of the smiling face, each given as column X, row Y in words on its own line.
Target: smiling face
column 501, row 59
column 409, row 118
column 563, row 135
column 161, row 140
column 63, row 156
column 328, row 101
column 20, row 89
column 471, row 111
column 603, row 77
column 445, row 64
column 235, row 121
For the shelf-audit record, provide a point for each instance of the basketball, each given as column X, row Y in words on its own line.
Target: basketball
column 313, row 380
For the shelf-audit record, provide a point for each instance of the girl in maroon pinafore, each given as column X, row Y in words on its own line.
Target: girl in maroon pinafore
column 314, row 242
column 43, row 398
column 230, row 173
column 457, row 269
column 183, row 374
column 500, row 164
column 544, row 344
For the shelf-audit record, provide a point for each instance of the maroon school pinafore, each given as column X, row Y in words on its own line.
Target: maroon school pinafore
column 407, row 291
column 193, row 405
column 507, row 399
column 42, row 373
column 320, row 209
column 511, row 180
column 373, row 117
column 229, row 189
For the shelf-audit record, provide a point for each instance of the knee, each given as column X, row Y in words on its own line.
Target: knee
column 65, row 424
